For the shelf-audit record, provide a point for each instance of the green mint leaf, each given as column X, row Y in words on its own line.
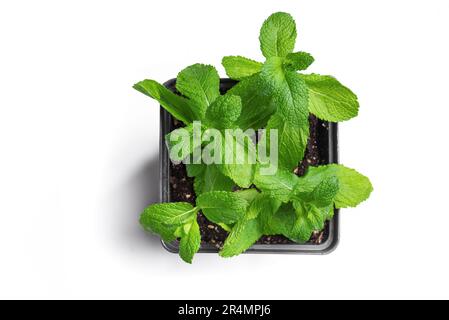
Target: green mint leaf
column 237, row 157
column 190, row 241
column 200, row 83
column 329, row 100
column 164, row 218
column 194, row 170
column 328, row 211
column 238, row 162
column 250, row 228
column 298, row 61
column 225, row 227
column 248, row 194
column 177, row 106
column 222, row 207
column 174, row 220
column 280, row 222
column 295, row 222
column 242, row 236
column 279, row 186
column 182, row 217
column 278, row 35
column 292, row 141
column 308, row 219
column 259, row 203
column 224, row 112
column 238, row 67
column 263, row 208
column 323, row 195
column 354, row 187
column 291, row 119
column 326, row 191
column 253, row 95
column 208, row 178
column 180, row 143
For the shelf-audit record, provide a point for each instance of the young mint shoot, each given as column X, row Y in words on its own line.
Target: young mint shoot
column 294, row 94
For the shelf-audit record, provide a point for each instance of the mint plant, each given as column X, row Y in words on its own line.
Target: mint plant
column 234, row 191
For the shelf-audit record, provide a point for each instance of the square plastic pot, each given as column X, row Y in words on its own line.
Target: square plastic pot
column 328, row 146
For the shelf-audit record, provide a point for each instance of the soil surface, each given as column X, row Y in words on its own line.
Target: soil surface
column 181, row 188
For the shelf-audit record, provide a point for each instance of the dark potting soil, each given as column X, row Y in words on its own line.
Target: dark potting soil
column 181, row 188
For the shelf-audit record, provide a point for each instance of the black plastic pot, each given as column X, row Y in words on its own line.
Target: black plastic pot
column 328, row 144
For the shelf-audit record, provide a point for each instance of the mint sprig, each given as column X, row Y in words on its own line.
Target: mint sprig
column 174, row 220
column 201, row 101
column 322, row 96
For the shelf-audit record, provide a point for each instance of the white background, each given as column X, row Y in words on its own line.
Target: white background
column 79, row 147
